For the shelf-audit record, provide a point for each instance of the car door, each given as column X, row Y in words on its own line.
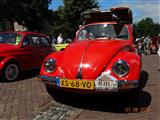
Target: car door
column 34, row 49
column 37, row 49
column 46, row 48
column 27, row 53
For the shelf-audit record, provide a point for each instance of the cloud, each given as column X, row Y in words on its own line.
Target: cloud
column 142, row 9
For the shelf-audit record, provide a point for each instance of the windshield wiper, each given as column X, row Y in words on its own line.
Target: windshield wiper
column 104, row 37
column 122, row 36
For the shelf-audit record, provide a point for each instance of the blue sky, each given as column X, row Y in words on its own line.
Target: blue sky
column 140, row 8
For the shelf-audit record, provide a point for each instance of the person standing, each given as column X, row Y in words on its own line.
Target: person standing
column 140, row 47
column 60, row 39
column 158, row 52
column 80, row 26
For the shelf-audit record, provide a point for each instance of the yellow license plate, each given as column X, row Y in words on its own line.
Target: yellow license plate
column 79, row 84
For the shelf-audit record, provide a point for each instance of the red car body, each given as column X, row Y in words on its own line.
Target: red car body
column 23, row 53
column 95, row 64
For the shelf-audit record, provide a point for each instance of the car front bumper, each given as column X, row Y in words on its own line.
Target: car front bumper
column 123, row 85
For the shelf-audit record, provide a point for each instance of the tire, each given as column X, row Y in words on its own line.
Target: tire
column 10, row 72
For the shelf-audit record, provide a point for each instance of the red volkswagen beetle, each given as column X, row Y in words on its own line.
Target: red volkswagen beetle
column 21, row 51
column 101, row 59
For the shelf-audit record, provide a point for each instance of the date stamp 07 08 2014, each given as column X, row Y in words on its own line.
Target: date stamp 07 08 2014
column 137, row 109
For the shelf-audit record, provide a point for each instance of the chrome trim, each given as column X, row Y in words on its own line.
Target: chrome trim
column 120, row 62
column 122, row 84
column 49, row 80
column 50, row 61
column 79, row 72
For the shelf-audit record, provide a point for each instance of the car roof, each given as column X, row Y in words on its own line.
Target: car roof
column 117, row 14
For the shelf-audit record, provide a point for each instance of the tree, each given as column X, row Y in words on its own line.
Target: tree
column 33, row 13
column 146, row 27
column 68, row 17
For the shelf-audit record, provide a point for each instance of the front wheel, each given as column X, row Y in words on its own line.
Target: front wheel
column 10, row 72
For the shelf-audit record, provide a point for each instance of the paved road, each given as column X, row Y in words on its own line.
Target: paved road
column 28, row 99
column 22, row 98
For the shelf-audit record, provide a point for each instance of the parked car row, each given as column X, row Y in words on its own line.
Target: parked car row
column 102, row 58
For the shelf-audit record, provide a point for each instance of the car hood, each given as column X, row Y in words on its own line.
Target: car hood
column 89, row 58
column 7, row 48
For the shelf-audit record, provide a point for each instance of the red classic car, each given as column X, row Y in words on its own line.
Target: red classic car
column 102, row 58
column 21, row 51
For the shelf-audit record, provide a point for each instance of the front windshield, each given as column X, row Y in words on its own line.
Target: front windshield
column 104, row 31
column 10, row 38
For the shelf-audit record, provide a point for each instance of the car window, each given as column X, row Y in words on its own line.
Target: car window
column 83, row 35
column 10, row 38
column 106, row 31
column 35, row 40
column 44, row 42
column 27, row 41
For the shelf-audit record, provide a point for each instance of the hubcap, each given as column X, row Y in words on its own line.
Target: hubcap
column 11, row 72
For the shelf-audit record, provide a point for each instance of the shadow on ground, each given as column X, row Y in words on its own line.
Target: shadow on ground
column 118, row 103
column 25, row 75
column 29, row 74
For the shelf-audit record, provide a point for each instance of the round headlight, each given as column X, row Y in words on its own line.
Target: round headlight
column 120, row 68
column 50, row 65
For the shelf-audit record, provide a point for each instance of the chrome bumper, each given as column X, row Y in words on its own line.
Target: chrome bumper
column 122, row 84
column 128, row 84
column 49, row 80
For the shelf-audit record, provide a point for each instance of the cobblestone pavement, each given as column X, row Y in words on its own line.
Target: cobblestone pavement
column 28, row 99
column 55, row 112
column 22, row 98
column 111, row 107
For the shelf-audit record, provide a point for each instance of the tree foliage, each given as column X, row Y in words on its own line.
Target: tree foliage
column 33, row 13
column 68, row 17
column 146, row 27
column 36, row 16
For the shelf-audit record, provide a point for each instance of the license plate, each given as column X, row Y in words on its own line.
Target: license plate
column 78, row 84
column 106, row 84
